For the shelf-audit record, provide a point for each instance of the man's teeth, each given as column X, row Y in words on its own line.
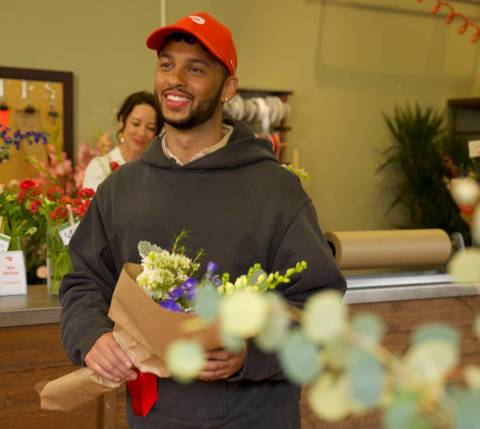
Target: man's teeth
column 176, row 98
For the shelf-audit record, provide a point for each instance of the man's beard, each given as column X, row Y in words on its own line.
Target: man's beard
column 201, row 114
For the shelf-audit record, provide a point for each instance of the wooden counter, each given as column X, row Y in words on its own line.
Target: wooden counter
column 31, row 352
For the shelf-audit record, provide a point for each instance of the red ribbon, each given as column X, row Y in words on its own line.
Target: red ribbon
column 143, row 392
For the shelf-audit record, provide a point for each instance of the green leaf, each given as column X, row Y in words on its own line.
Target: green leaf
column 367, row 378
column 243, row 313
column 328, row 397
column 467, row 409
column 430, row 360
column 231, row 343
column 324, row 316
column 403, row 414
column 465, row 266
column 436, row 331
column 144, row 248
column 275, row 331
column 336, row 353
column 368, row 326
column 207, row 302
column 185, row 360
column 300, row 358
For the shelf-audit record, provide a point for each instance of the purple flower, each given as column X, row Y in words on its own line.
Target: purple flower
column 170, row 304
column 212, row 267
column 190, row 286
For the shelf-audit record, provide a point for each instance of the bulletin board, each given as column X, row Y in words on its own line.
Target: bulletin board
column 39, row 102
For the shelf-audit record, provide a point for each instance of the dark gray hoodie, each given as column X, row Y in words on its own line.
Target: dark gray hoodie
column 239, row 205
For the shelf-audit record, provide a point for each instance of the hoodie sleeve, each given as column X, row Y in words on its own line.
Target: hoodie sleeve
column 86, row 292
column 302, row 240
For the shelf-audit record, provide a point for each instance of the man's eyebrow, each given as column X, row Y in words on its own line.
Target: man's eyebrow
column 192, row 60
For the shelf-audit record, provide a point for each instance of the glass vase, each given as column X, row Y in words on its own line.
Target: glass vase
column 58, row 260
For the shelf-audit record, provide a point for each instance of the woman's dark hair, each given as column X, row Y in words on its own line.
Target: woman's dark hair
column 135, row 99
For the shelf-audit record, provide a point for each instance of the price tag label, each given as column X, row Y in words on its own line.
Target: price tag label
column 66, row 232
column 474, row 148
column 4, row 243
column 13, row 278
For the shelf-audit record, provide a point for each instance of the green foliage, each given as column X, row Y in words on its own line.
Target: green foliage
column 465, row 266
column 367, row 378
column 436, row 331
column 300, row 358
column 416, row 157
column 467, row 415
column 404, row 413
column 369, row 326
column 185, row 359
column 206, row 302
column 275, row 330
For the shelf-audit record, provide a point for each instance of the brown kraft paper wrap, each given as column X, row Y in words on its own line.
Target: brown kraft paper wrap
column 143, row 329
column 389, row 248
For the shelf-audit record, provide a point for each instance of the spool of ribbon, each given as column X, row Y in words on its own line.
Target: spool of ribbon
column 143, row 392
column 263, row 114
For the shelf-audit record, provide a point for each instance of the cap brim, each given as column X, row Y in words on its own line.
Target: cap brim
column 156, row 40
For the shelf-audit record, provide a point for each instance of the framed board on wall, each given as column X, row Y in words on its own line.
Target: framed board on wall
column 38, row 101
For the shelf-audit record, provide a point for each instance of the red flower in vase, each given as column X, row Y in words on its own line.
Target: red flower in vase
column 85, row 193
column 34, row 206
column 27, row 184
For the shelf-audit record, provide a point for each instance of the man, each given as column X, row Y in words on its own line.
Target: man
column 224, row 186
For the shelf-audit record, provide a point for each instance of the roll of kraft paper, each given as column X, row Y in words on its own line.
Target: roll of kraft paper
column 389, row 248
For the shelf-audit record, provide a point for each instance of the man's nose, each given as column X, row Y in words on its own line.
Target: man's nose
column 177, row 76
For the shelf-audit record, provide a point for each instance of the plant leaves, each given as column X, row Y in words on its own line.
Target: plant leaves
column 368, row 326
column 185, row 359
column 329, row 398
column 243, row 313
column 436, row 331
column 207, row 302
column 275, row 330
column 430, row 360
column 324, row 316
column 300, row 358
column 465, row 266
column 367, row 378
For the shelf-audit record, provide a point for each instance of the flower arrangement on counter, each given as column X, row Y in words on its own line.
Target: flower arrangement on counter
column 34, row 209
column 38, row 207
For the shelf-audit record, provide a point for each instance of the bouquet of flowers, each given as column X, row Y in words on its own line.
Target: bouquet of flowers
column 163, row 292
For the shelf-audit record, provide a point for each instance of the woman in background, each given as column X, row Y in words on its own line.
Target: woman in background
column 140, row 121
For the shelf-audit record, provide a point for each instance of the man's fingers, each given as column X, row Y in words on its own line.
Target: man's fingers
column 107, row 359
column 122, row 360
column 222, row 355
column 97, row 369
column 212, row 375
column 112, row 370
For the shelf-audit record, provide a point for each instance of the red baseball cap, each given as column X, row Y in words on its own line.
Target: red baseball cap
column 213, row 35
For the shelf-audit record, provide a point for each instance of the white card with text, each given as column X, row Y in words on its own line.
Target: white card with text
column 66, row 232
column 13, row 276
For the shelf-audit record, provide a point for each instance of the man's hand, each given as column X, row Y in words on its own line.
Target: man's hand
column 222, row 364
column 107, row 359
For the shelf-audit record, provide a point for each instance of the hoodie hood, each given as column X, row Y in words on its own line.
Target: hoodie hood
column 242, row 148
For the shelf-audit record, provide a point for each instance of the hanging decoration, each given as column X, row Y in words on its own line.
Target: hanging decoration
column 465, row 23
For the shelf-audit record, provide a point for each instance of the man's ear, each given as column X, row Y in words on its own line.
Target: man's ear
column 229, row 88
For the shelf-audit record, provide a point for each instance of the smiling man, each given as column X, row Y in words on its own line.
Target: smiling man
column 215, row 179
